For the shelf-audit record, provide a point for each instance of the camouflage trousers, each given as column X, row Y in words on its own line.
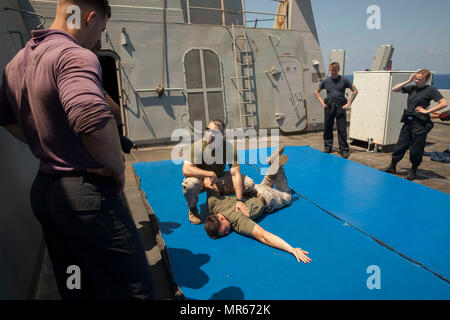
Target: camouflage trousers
column 193, row 186
column 275, row 198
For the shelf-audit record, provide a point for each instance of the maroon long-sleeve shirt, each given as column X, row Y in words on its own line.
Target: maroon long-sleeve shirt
column 52, row 89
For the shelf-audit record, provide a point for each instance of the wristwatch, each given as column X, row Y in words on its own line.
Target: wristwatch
column 240, row 199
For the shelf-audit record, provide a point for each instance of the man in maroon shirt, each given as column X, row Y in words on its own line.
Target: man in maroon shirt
column 51, row 99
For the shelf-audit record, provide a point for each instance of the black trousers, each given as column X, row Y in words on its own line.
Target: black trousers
column 334, row 111
column 413, row 136
column 85, row 224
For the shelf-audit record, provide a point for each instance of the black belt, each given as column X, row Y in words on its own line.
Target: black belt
column 60, row 174
column 78, row 173
column 262, row 199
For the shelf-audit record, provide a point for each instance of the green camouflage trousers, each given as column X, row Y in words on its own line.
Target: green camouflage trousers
column 193, row 186
column 275, row 198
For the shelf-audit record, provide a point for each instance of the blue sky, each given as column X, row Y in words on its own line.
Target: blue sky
column 419, row 31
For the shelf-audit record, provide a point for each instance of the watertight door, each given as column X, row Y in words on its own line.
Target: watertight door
column 290, row 112
column 204, row 85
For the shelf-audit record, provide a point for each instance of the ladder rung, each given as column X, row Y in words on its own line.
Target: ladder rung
column 247, row 115
column 246, row 102
column 241, row 77
column 245, row 89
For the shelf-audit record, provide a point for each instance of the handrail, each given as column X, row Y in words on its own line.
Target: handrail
column 239, row 12
column 242, row 12
column 30, row 13
column 155, row 90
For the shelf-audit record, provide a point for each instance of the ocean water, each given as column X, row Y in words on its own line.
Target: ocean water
column 440, row 81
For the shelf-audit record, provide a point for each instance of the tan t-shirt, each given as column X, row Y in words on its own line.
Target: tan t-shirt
column 226, row 206
column 204, row 156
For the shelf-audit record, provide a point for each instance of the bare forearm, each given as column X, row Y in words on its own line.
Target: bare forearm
column 237, row 184
column 104, row 146
column 399, row 86
column 193, row 171
column 276, row 242
column 354, row 94
column 16, row 132
column 318, row 97
column 442, row 104
column 115, row 109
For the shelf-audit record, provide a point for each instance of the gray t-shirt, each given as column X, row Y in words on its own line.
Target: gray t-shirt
column 52, row 89
column 336, row 88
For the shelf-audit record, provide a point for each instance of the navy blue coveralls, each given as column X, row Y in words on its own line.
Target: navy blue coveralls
column 416, row 125
column 335, row 101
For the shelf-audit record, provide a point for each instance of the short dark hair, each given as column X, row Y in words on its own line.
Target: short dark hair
column 218, row 123
column 102, row 5
column 212, row 226
column 335, row 65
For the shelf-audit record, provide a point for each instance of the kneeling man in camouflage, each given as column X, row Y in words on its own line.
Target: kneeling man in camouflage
column 208, row 158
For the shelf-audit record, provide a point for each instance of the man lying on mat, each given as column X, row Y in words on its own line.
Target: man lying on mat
column 223, row 218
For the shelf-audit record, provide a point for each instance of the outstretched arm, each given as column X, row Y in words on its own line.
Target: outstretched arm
column 276, row 242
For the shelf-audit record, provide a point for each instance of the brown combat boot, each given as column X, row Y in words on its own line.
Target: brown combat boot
column 271, row 175
column 281, row 181
column 275, row 154
column 194, row 217
column 276, row 165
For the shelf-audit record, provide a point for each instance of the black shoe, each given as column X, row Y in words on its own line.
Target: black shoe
column 344, row 154
column 328, row 150
column 390, row 169
column 411, row 174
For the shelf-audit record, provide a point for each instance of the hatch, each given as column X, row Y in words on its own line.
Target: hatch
column 204, row 85
column 290, row 111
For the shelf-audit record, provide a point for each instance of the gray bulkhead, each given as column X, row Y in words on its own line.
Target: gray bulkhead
column 152, row 45
column 20, row 233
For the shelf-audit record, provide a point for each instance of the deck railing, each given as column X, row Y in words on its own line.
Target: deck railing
column 242, row 13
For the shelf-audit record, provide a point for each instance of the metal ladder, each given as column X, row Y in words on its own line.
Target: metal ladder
column 242, row 56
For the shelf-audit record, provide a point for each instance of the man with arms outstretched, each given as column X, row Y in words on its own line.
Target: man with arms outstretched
column 224, row 219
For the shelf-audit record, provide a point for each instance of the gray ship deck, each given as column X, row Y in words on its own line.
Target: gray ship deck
column 433, row 174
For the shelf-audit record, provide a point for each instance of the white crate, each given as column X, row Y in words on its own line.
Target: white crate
column 377, row 110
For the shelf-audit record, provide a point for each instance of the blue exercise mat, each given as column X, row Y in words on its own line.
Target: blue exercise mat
column 236, row 267
column 409, row 217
